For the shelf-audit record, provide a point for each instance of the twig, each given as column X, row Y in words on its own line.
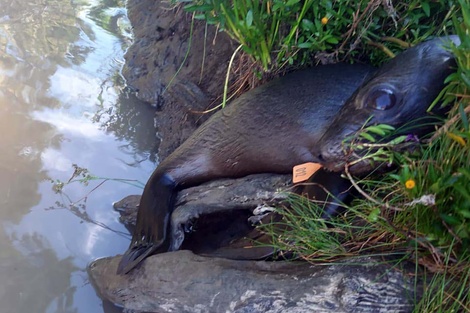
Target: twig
column 364, row 194
column 382, row 47
column 446, row 126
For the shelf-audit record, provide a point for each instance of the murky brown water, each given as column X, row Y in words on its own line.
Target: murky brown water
column 63, row 101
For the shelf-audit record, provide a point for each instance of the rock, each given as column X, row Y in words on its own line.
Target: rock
column 127, row 208
column 159, row 55
column 220, row 213
column 220, row 195
column 184, row 282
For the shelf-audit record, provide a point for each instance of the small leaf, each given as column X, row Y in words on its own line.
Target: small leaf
column 305, row 45
column 451, row 180
column 435, row 188
column 426, row 8
column 374, row 215
column 452, row 220
column 386, row 126
column 332, row 40
column 367, row 136
column 397, row 140
column 249, row 18
column 451, row 77
column 456, row 138
column 465, row 79
column 292, row 2
column 308, row 25
column 465, row 213
column 199, row 8
column 376, row 130
column 465, row 172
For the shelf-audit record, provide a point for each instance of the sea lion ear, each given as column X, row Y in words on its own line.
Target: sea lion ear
column 381, row 98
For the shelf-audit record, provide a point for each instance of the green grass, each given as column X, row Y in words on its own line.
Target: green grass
column 276, row 33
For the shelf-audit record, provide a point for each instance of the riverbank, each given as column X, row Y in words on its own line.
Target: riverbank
column 200, row 284
column 189, row 86
column 177, row 65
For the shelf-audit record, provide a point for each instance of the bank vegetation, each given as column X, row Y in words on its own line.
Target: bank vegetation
column 420, row 211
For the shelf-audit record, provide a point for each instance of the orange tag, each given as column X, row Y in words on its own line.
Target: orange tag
column 303, row 172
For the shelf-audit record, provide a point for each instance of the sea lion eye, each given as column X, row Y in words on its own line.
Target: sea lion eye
column 381, row 99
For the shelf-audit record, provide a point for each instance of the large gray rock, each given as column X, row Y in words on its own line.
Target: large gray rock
column 184, row 282
column 220, row 195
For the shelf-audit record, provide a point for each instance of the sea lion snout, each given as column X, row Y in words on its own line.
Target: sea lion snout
column 398, row 94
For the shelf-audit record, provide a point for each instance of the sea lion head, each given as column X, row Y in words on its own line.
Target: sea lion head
column 398, row 93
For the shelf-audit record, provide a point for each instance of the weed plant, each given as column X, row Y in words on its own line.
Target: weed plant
column 279, row 32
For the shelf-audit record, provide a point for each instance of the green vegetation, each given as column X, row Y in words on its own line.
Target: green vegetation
column 279, row 32
column 419, row 212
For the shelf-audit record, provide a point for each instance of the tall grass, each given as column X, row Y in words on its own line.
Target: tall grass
column 280, row 32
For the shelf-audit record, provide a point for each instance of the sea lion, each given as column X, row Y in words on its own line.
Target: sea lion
column 239, row 140
column 269, row 129
column 399, row 93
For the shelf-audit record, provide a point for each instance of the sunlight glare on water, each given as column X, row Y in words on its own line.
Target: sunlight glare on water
column 63, row 102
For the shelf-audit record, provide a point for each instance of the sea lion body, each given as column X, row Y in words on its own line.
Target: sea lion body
column 243, row 138
column 267, row 130
column 270, row 129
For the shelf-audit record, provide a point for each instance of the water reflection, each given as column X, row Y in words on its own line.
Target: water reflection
column 63, row 102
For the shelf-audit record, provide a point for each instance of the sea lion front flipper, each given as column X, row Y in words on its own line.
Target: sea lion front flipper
column 330, row 190
column 153, row 217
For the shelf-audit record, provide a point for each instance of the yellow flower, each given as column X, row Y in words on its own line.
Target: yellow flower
column 324, row 20
column 410, row 184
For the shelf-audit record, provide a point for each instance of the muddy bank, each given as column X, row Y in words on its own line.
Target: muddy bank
column 176, row 80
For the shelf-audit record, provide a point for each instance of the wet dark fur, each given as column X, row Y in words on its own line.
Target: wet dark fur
column 269, row 129
column 415, row 77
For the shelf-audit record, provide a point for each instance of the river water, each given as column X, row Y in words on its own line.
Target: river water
column 64, row 102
